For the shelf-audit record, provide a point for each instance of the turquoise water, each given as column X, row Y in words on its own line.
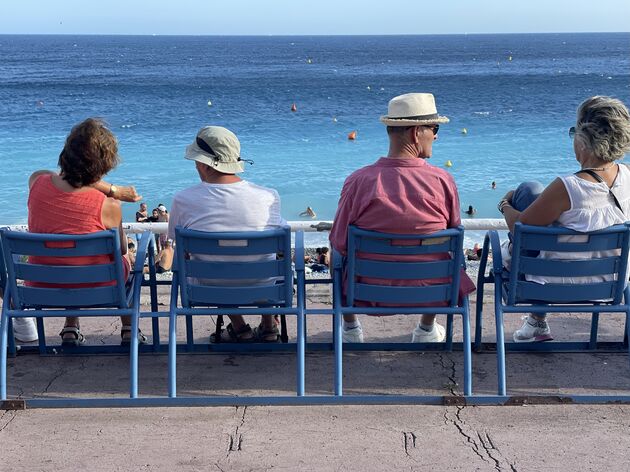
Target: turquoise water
column 515, row 94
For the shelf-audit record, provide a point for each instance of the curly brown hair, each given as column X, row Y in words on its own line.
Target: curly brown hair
column 90, row 152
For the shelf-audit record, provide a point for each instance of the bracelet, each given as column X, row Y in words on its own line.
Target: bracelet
column 502, row 204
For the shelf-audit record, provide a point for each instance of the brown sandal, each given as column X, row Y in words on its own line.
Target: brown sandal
column 267, row 336
column 77, row 337
column 229, row 335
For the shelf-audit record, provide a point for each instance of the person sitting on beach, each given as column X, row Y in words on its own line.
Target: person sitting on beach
column 164, row 260
column 471, row 211
column 324, row 256
column 222, row 201
column 401, row 193
column 595, row 197
column 142, row 214
column 77, row 201
column 309, row 212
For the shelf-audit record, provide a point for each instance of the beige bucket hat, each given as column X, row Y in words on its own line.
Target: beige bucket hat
column 412, row 109
column 217, row 147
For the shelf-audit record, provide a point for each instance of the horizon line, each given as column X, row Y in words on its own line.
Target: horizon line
column 314, row 34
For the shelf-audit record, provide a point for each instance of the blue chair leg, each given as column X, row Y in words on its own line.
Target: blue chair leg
column 448, row 347
column 300, row 351
column 11, row 338
column 190, row 337
column 4, row 330
column 592, row 344
column 479, row 316
column 172, row 351
column 467, row 350
column 133, row 357
column 500, row 352
column 41, row 335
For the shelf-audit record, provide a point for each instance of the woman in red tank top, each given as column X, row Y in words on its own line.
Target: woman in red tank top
column 77, row 201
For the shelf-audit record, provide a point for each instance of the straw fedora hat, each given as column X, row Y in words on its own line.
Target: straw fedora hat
column 412, row 109
column 217, row 147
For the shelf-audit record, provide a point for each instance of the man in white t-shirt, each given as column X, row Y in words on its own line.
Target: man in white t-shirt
column 225, row 202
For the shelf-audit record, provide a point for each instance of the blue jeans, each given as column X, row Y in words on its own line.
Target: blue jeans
column 525, row 194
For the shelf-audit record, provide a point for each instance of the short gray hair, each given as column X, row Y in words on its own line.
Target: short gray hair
column 603, row 126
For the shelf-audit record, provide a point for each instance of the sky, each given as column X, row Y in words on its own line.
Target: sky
column 314, row 17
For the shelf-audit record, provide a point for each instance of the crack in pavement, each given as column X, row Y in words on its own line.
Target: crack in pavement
column 409, row 439
column 61, row 372
column 235, row 439
column 452, row 374
column 13, row 415
column 480, row 443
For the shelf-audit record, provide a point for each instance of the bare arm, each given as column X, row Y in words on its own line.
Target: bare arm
column 546, row 209
column 124, row 194
column 111, row 215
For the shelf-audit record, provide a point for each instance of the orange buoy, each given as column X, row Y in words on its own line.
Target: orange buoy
column 352, row 135
column 294, row 107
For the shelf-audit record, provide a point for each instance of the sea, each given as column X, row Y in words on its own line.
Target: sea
column 510, row 97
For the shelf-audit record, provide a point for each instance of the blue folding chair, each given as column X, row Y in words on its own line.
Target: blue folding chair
column 441, row 298
column 24, row 300
column 207, row 286
column 513, row 293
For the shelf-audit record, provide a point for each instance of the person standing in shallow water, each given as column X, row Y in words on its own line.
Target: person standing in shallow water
column 77, row 201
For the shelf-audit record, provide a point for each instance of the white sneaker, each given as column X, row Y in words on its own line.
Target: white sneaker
column 352, row 335
column 25, row 330
column 533, row 330
column 436, row 335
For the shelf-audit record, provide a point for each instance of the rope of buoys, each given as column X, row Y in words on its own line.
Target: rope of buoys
column 448, row 164
column 464, row 131
column 352, row 135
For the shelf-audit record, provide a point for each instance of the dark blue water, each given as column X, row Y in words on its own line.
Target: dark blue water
column 515, row 94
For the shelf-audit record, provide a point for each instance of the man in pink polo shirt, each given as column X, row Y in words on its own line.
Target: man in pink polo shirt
column 401, row 193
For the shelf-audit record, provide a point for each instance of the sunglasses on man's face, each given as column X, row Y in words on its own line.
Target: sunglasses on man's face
column 434, row 128
column 572, row 132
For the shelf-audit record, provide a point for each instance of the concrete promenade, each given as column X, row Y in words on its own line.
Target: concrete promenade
column 531, row 437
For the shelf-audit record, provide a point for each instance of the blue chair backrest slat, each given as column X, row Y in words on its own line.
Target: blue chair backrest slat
column 69, row 297
column 204, row 295
column 234, row 269
column 566, row 267
column 387, row 246
column 66, row 274
column 403, row 270
column 31, row 244
column 402, row 295
column 232, row 244
column 564, row 293
column 551, row 242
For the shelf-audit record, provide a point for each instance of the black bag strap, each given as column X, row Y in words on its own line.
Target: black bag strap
column 598, row 177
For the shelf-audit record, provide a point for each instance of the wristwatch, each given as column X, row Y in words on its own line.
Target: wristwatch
column 502, row 204
column 112, row 190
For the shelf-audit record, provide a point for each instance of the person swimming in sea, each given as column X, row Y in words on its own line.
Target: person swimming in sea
column 309, row 212
column 471, row 211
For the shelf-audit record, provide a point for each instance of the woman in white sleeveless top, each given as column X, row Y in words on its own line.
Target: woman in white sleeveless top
column 581, row 202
